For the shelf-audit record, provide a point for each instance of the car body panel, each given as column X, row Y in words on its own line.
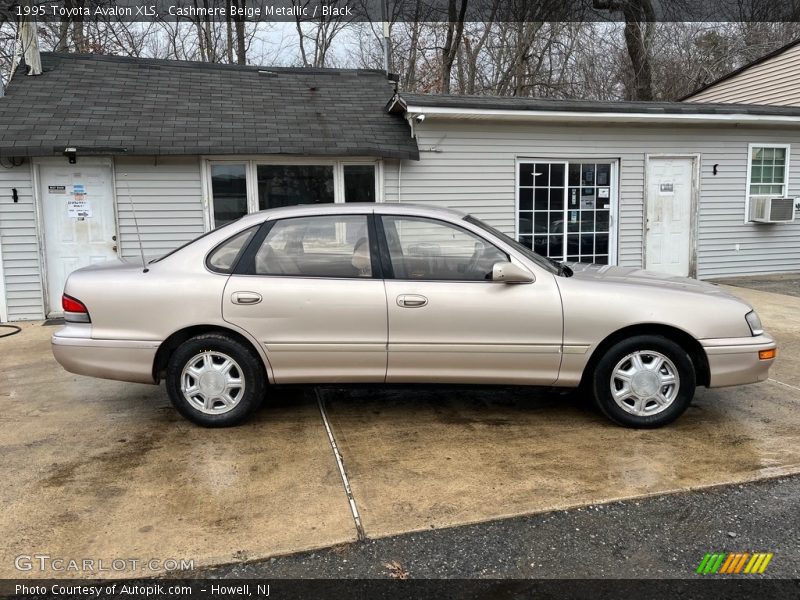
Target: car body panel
column 314, row 329
column 352, row 330
column 475, row 332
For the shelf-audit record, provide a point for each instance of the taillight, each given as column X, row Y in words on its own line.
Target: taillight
column 74, row 310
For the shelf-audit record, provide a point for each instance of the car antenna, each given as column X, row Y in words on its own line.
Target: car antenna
column 135, row 222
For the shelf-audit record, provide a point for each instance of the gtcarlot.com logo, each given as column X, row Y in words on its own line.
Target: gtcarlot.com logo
column 734, row 563
column 46, row 562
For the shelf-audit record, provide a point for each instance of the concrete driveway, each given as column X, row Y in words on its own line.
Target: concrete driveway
column 101, row 470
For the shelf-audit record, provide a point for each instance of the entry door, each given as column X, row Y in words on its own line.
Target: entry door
column 669, row 208
column 79, row 227
column 449, row 323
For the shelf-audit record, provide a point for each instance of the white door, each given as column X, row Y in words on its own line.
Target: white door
column 669, row 208
column 78, row 214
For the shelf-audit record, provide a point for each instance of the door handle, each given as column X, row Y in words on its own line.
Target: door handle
column 245, row 298
column 411, row 301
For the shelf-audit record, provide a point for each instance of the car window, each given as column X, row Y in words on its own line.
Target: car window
column 428, row 249
column 540, row 260
column 223, row 257
column 324, row 246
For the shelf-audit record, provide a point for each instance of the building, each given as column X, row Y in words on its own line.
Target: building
column 98, row 144
column 772, row 79
column 102, row 152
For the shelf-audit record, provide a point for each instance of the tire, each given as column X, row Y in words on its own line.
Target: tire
column 215, row 381
column 653, row 379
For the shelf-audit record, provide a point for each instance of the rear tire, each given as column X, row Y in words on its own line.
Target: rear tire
column 645, row 381
column 215, row 381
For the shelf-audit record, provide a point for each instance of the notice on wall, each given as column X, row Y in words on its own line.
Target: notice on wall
column 57, row 189
column 78, row 207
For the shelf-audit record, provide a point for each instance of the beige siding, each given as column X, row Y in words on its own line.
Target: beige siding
column 775, row 81
column 168, row 199
column 20, row 247
column 470, row 165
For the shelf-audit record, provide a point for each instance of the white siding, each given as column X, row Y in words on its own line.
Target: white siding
column 775, row 81
column 168, row 198
column 23, row 282
column 470, row 165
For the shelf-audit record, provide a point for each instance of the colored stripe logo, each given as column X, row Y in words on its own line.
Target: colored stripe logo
column 732, row 563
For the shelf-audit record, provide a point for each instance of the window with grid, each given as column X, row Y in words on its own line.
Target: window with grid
column 564, row 209
column 768, row 170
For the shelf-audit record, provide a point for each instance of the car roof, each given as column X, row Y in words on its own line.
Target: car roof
column 303, row 210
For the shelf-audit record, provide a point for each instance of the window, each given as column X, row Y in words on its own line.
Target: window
column 238, row 188
column 224, row 256
column 359, row 183
column 427, row 249
column 229, row 190
column 768, row 170
column 565, row 209
column 324, row 246
column 288, row 185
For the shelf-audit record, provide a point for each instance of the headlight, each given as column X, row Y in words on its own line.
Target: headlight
column 754, row 322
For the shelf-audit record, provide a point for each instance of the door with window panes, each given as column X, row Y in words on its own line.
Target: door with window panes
column 565, row 209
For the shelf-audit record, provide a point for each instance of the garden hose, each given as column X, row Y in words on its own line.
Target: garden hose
column 14, row 330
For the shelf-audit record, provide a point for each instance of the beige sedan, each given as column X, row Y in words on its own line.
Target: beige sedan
column 387, row 293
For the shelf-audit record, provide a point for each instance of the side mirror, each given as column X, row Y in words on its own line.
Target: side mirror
column 506, row 272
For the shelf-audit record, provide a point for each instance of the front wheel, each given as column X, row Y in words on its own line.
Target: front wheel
column 644, row 381
column 215, row 381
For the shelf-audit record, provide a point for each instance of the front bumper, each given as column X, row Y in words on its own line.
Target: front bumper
column 123, row 360
column 735, row 361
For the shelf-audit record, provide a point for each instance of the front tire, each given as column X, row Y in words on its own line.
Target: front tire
column 215, row 381
column 645, row 381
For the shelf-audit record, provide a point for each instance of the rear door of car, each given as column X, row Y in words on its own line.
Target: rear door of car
column 449, row 322
column 310, row 290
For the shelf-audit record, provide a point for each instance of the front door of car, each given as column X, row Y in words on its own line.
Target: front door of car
column 449, row 322
column 305, row 289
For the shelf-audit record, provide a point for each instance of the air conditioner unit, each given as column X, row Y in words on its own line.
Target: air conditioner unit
column 768, row 209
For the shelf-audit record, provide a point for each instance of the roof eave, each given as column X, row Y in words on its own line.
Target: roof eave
column 582, row 116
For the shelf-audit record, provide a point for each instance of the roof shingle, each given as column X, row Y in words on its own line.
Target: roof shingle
column 160, row 107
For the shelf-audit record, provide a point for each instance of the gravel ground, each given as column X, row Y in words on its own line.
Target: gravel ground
column 659, row 537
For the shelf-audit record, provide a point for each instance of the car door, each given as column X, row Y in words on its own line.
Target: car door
column 307, row 289
column 449, row 322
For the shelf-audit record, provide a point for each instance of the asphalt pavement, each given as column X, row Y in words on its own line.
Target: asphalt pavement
column 659, row 537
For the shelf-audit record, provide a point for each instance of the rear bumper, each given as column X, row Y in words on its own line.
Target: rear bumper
column 123, row 360
column 735, row 361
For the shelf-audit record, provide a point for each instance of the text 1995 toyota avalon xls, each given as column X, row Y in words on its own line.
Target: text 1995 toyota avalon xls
column 400, row 293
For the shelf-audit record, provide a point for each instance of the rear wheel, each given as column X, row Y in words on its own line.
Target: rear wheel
column 215, row 381
column 644, row 381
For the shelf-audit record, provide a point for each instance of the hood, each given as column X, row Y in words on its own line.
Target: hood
column 640, row 277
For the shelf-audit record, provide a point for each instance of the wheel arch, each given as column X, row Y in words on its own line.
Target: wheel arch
column 169, row 345
column 685, row 340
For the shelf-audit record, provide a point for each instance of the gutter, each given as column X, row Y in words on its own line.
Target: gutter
column 565, row 116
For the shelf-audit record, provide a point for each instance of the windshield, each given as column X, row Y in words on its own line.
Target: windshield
column 545, row 263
